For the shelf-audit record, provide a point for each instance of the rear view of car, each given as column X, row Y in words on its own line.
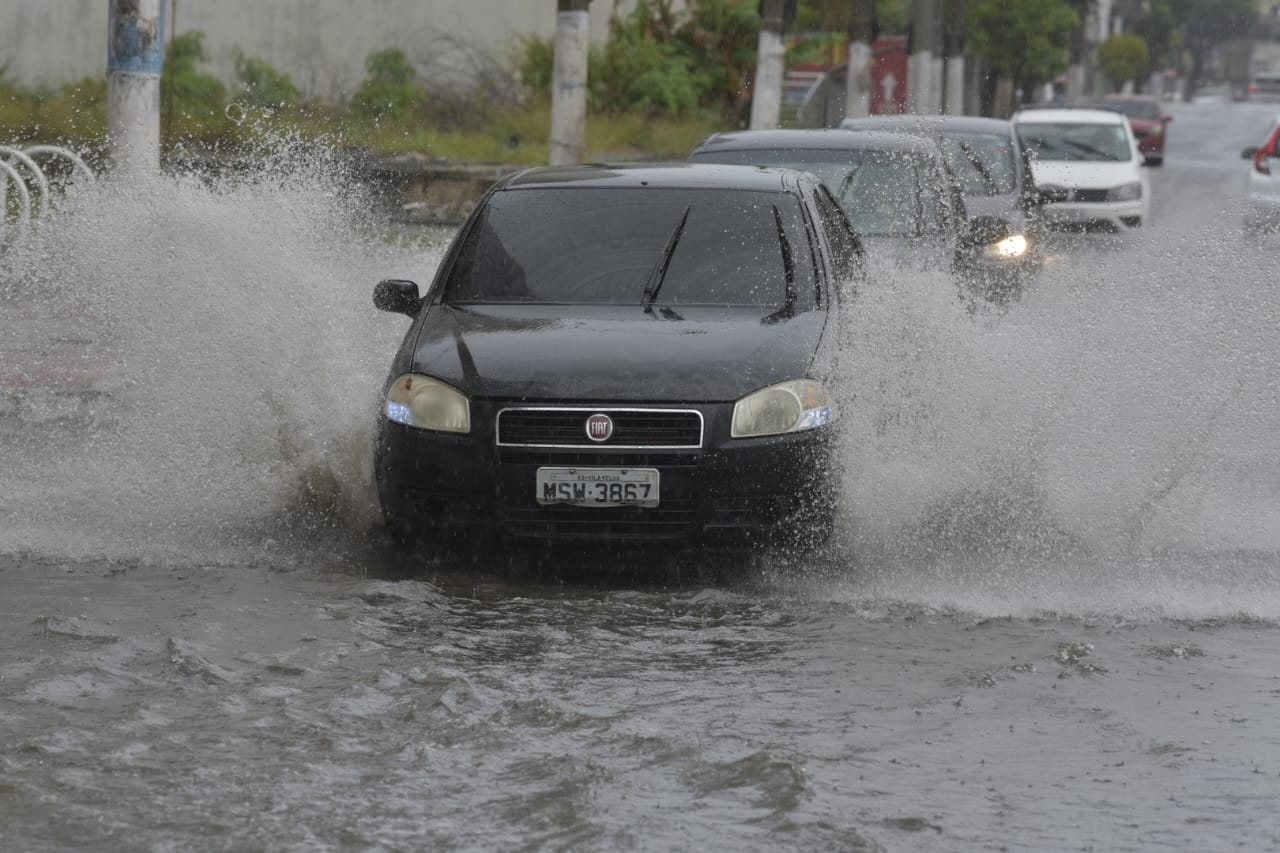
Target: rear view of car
column 1264, row 87
column 1088, row 169
column 1262, row 186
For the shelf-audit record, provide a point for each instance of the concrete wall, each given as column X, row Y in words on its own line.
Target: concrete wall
column 321, row 44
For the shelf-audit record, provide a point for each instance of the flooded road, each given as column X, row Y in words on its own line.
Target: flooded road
column 1050, row 621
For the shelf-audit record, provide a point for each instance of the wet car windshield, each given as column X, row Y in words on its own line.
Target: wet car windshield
column 883, row 194
column 1075, row 141
column 982, row 161
column 607, row 246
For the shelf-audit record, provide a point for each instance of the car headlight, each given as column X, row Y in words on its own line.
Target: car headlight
column 795, row 406
column 1126, row 192
column 1010, row 248
column 420, row 401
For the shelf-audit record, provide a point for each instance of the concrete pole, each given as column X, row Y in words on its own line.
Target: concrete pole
column 953, row 46
column 766, row 93
column 858, row 92
column 135, row 59
column 924, row 65
column 569, row 83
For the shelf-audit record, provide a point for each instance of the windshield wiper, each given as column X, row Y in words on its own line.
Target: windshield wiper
column 654, row 282
column 788, row 264
column 972, row 157
column 1091, row 149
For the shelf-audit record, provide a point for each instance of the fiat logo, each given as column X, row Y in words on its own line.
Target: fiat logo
column 599, row 427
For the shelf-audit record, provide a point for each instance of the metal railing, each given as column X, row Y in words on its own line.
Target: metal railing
column 20, row 168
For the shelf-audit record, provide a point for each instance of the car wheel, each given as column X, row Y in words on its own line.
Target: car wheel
column 1155, row 160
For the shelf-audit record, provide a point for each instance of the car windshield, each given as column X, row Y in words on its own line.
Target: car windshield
column 1075, row 141
column 1133, row 109
column 982, row 161
column 882, row 193
column 592, row 245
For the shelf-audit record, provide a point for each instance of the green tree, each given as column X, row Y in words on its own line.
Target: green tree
column 663, row 60
column 182, row 87
column 389, row 91
column 1123, row 57
column 1208, row 23
column 262, row 85
column 1022, row 40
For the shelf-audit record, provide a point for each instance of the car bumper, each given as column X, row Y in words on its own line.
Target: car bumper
column 725, row 494
column 1151, row 144
column 1109, row 217
column 1262, row 211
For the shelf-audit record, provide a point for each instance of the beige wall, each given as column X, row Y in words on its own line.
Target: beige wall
column 321, row 44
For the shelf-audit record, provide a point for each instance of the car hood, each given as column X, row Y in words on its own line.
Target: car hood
column 1084, row 175
column 559, row 352
column 1004, row 207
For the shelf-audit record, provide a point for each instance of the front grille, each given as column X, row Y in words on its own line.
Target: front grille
column 1091, row 195
column 632, row 428
column 671, row 520
column 1052, row 194
column 562, row 459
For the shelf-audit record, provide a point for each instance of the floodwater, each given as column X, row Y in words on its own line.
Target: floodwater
column 1050, row 620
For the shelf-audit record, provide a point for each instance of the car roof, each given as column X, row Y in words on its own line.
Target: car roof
column 1068, row 115
column 929, row 123
column 829, row 139
column 660, row 176
column 1118, row 97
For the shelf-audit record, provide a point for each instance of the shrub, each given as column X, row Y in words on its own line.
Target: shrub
column 262, row 85
column 389, row 91
column 184, row 88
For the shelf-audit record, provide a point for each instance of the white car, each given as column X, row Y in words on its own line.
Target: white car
column 1262, row 205
column 1088, row 167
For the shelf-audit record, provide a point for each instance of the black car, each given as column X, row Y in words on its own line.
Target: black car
column 897, row 191
column 622, row 356
column 993, row 168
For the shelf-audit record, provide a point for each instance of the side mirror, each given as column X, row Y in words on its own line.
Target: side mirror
column 397, row 296
column 1247, row 154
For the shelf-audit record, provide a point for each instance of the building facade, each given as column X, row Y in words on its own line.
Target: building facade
column 321, row 44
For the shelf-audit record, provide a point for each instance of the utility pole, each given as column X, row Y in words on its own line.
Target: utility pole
column 924, row 68
column 953, row 47
column 766, row 93
column 858, row 92
column 569, row 82
column 135, row 59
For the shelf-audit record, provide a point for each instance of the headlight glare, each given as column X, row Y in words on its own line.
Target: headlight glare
column 1010, row 248
column 420, row 401
column 1126, row 192
column 793, row 406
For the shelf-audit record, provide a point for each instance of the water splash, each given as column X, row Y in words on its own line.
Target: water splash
column 224, row 329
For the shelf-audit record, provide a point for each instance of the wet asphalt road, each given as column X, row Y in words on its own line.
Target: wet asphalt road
column 1050, row 621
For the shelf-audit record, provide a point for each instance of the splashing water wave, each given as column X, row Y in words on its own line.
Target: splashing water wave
column 1126, row 405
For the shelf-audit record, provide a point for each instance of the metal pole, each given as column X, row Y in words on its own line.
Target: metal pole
column 135, row 59
column 766, row 93
column 569, row 83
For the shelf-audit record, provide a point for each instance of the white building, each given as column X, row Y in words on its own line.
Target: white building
column 321, row 44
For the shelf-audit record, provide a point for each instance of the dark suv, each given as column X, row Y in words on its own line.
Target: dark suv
column 628, row 356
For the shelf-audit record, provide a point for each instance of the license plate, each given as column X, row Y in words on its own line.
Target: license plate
column 597, row 486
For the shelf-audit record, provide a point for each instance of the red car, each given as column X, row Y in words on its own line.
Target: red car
column 1148, row 121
